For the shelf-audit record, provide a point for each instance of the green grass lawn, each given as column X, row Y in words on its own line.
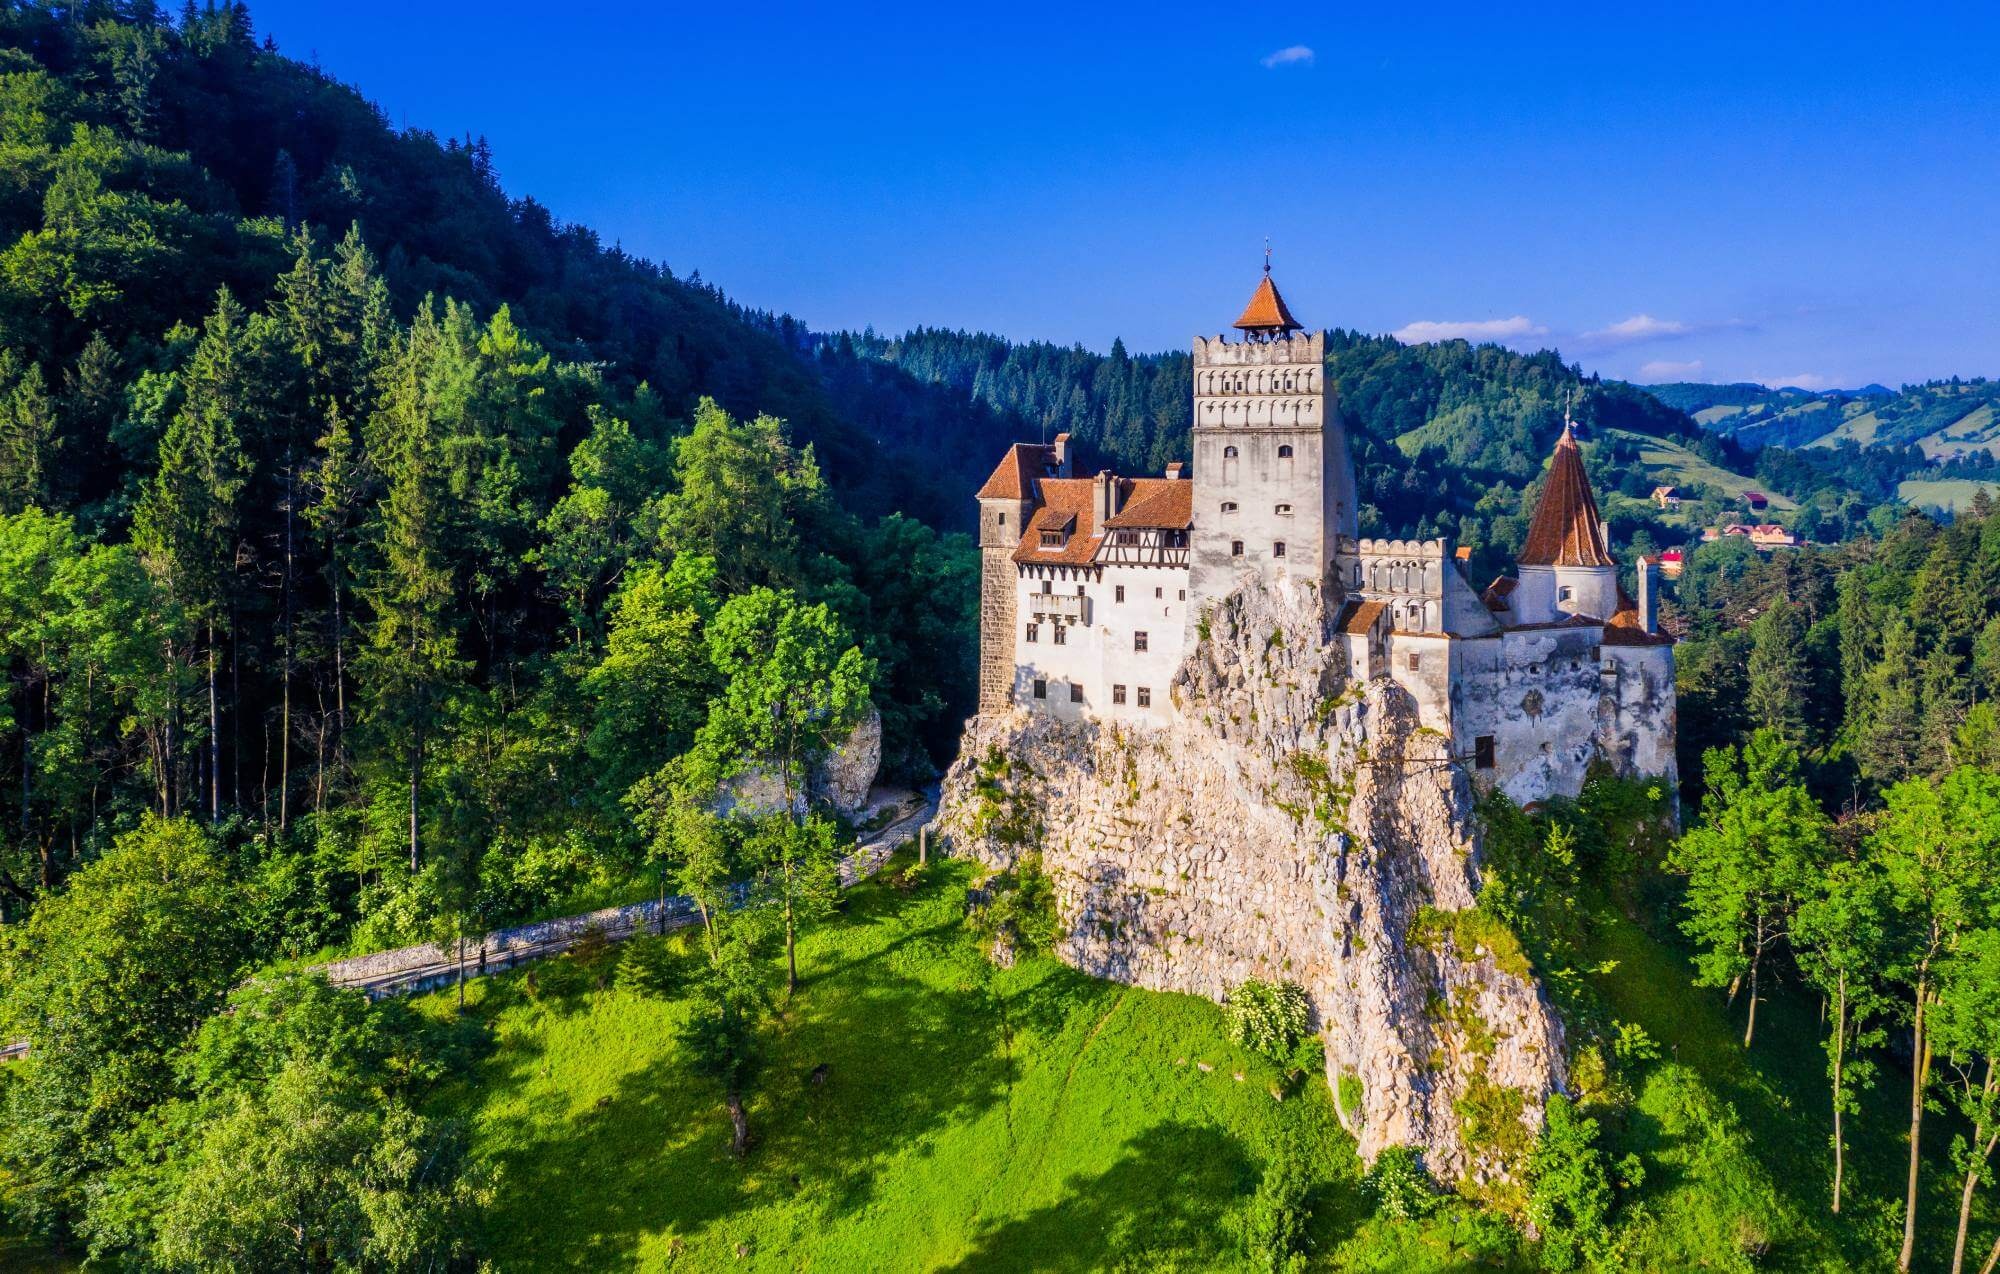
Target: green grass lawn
column 1940, row 493
column 971, row 1119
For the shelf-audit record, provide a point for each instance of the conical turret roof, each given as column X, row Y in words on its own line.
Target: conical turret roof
column 1566, row 530
column 1266, row 311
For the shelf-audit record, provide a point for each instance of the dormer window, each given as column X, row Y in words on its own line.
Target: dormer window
column 1053, row 539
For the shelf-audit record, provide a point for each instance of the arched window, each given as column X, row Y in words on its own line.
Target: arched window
column 1229, row 453
column 1285, row 452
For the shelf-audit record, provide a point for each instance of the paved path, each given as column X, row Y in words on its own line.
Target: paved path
column 429, row 965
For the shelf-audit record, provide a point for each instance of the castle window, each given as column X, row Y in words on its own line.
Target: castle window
column 1236, row 548
column 1041, row 688
column 1145, row 696
column 1052, row 539
column 1118, row 593
column 1564, row 593
column 1416, row 661
column 1285, row 452
column 1229, row 506
column 1159, row 593
column 1482, row 752
column 1278, row 549
column 1229, row 453
column 1048, row 586
column 1034, row 632
column 1003, row 520
column 1117, row 694
column 1138, row 641
column 1284, row 508
column 1183, row 596
column 1075, row 692
column 1062, row 634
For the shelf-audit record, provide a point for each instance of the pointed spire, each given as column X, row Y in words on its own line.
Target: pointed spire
column 1266, row 314
column 1566, row 529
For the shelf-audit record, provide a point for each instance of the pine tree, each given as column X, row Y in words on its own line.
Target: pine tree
column 28, row 442
column 1780, row 681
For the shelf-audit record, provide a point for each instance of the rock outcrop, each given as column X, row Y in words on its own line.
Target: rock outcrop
column 1292, row 825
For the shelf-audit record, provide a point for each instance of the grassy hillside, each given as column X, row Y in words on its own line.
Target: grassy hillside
column 1667, row 462
column 1035, row 1118
column 1942, row 493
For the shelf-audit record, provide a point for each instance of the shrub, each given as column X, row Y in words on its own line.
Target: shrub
column 1021, row 907
column 646, row 966
column 1400, row 1186
column 1270, row 1017
column 1569, row 1190
column 1274, row 1232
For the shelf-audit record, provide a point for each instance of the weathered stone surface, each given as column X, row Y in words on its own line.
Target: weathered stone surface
column 842, row 779
column 1290, row 825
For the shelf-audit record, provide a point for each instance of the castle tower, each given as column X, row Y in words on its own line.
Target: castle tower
column 1274, row 482
column 1006, row 502
column 1566, row 565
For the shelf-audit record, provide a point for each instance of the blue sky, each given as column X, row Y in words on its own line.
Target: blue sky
column 1799, row 194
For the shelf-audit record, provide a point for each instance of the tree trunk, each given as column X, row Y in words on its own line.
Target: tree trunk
column 1920, row 1064
column 1972, row 1176
column 1839, row 1056
column 1756, row 960
column 1992, row 1258
column 416, row 774
column 285, row 710
column 214, row 736
column 739, row 1124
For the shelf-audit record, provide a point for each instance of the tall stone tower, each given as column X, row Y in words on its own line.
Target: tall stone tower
column 1005, row 504
column 1273, row 478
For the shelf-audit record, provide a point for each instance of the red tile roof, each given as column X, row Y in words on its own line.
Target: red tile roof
column 1266, row 311
column 1154, row 502
column 1068, row 503
column 1566, row 530
column 1025, row 464
column 1361, row 620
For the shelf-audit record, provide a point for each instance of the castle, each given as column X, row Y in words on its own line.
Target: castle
column 1093, row 587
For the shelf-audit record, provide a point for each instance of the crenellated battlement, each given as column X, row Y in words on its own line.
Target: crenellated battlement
column 1220, row 351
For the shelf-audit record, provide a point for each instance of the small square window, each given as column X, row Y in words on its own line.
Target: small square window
column 1062, row 635
column 1183, row 596
column 1284, row 508
column 1285, row 452
column 1075, row 692
column 1278, row 549
column 1138, row 641
column 1117, row 694
column 1482, row 752
column 1159, row 592
column 1041, row 688
column 1002, row 521
column 1048, row 586
column 1564, row 593
column 1118, row 593
column 1034, row 632
column 1236, row 548
column 1229, row 506
column 1145, row 696
column 1416, row 661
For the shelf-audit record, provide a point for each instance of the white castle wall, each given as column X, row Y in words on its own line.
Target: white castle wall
column 1099, row 653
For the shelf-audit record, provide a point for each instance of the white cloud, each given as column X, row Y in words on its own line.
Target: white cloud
column 1797, row 380
column 1657, row 371
column 1292, row 55
column 1503, row 330
column 1640, row 327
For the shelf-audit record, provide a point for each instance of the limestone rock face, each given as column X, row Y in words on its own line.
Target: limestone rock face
column 1291, row 825
column 842, row 779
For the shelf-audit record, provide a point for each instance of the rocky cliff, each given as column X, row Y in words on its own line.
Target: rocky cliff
column 1295, row 826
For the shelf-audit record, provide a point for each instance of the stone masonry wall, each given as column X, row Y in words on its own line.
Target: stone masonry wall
column 1290, row 825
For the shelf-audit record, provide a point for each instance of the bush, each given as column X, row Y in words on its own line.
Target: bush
column 1569, row 1191
column 1274, row 1231
column 1021, row 907
column 1270, row 1017
column 646, row 966
column 1400, row 1186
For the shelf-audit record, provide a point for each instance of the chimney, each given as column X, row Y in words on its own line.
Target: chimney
column 1061, row 446
column 1174, row 471
column 1649, row 594
column 1107, row 495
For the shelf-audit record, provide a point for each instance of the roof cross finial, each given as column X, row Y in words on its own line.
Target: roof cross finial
column 1267, row 254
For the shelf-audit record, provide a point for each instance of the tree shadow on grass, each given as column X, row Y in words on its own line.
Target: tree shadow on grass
column 1164, row 1204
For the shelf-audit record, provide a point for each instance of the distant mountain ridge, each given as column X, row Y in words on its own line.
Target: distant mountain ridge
column 1945, row 419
